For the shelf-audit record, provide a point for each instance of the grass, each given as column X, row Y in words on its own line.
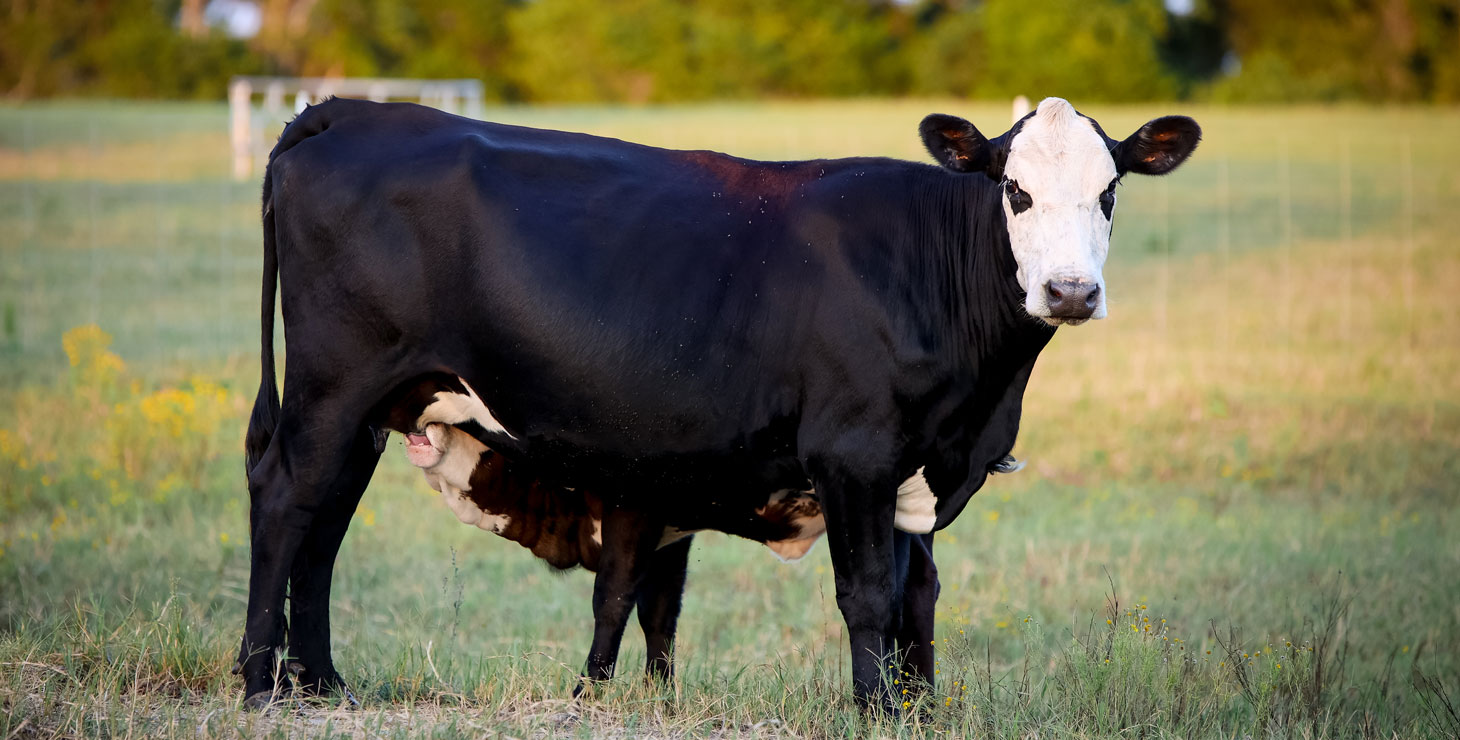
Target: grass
column 1256, row 454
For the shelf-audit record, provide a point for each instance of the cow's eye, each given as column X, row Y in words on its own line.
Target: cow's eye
column 1019, row 201
column 1107, row 199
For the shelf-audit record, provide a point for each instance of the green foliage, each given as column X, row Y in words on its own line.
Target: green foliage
column 1342, row 49
column 1079, row 49
column 659, row 50
column 579, row 50
column 669, row 50
column 122, row 48
column 948, row 56
column 410, row 38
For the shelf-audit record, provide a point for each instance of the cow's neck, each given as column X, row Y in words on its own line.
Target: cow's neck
column 987, row 343
column 984, row 318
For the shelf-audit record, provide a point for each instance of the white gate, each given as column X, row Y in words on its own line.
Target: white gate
column 254, row 127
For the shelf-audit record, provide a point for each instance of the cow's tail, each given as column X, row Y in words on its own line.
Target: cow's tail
column 265, row 417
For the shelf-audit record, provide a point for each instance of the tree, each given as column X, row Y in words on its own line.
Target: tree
column 655, row 50
column 1107, row 50
column 126, row 48
column 586, row 50
column 1341, row 49
column 949, row 55
column 1104, row 50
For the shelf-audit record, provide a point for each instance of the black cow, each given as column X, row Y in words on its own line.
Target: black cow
column 686, row 333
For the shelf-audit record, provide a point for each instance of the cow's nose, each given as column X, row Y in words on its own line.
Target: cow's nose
column 1072, row 299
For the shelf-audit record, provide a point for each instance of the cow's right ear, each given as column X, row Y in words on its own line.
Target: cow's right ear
column 955, row 143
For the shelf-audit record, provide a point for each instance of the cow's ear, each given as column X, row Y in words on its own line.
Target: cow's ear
column 955, row 143
column 1158, row 147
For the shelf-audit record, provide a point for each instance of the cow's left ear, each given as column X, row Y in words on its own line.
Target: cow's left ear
column 1158, row 147
column 955, row 143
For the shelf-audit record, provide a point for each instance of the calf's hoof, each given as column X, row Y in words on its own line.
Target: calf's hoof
column 261, row 701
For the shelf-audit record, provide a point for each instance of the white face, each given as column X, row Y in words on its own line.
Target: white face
column 1057, row 173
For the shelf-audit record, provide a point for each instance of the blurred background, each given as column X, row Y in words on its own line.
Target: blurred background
column 1266, row 463
column 638, row 51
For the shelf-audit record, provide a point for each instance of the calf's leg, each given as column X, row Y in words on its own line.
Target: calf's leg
column 659, row 599
column 629, row 541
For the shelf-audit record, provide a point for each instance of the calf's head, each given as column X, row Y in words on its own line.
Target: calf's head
column 1058, row 171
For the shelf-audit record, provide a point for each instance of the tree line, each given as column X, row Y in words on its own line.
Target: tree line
column 673, row 50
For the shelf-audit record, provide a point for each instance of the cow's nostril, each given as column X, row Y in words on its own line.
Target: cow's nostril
column 1054, row 292
column 1093, row 299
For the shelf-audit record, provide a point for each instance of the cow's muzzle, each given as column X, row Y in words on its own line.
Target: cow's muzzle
column 1071, row 299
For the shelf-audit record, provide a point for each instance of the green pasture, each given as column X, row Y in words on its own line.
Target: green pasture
column 1250, row 469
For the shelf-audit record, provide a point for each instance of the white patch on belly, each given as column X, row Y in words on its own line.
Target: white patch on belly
column 916, row 505
column 598, row 532
column 809, row 526
column 455, row 408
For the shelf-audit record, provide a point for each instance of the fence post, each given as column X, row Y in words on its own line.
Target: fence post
column 1021, row 108
column 240, row 96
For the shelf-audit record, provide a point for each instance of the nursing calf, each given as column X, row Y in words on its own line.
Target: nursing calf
column 564, row 526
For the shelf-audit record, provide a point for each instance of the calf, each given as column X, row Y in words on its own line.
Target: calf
column 563, row 526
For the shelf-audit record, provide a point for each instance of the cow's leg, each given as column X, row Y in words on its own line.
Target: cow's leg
column 629, row 540
column 659, row 600
column 309, row 582
column 919, row 600
column 859, row 508
column 292, row 482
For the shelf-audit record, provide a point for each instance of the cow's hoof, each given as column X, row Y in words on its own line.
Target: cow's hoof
column 584, row 688
column 882, row 705
column 323, row 686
